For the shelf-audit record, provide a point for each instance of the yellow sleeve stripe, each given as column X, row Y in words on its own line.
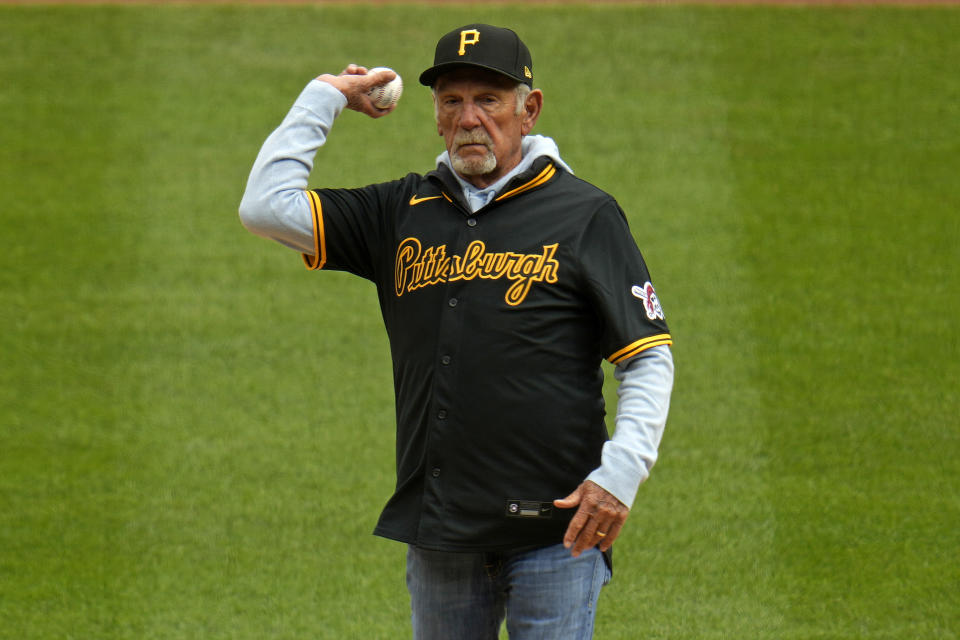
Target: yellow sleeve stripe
column 544, row 177
column 319, row 257
column 640, row 345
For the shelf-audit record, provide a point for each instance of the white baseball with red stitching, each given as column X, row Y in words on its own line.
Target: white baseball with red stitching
column 386, row 95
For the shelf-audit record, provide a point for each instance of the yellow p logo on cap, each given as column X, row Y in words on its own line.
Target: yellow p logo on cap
column 468, row 36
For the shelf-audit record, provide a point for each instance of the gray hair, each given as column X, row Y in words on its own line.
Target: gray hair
column 522, row 92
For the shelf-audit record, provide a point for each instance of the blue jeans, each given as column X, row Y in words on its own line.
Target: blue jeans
column 543, row 594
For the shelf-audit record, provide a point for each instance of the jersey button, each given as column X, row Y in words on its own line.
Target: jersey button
column 471, row 222
column 445, row 359
column 442, row 414
column 436, row 472
column 453, row 302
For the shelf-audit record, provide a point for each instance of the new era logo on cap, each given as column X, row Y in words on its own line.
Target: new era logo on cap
column 483, row 46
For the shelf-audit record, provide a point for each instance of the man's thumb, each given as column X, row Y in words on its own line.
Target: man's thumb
column 570, row 501
column 379, row 77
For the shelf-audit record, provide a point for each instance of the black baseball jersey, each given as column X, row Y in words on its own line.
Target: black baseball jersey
column 497, row 321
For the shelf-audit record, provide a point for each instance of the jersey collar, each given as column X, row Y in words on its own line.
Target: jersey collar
column 533, row 148
column 539, row 172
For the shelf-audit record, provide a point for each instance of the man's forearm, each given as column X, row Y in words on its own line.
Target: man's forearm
column 274, row 204
column 644, row 401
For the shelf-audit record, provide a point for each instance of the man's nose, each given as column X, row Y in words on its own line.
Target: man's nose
column 470, row 116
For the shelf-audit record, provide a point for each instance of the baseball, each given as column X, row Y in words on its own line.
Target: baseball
column 386, row 95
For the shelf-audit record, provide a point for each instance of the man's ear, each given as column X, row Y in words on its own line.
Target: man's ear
column 532, row 107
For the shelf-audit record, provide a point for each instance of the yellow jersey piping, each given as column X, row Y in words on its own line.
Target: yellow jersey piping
column 544, row 177
column 319, row 257
column 639, row 346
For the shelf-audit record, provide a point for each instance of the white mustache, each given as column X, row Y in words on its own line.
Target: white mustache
column 476, row 136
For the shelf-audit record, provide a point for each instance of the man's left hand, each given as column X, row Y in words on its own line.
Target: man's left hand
column 598, row 520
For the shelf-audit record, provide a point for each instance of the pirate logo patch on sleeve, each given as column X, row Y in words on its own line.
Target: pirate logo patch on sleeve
column 651, row 302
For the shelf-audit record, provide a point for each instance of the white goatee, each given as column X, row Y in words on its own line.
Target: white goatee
column 473, row 166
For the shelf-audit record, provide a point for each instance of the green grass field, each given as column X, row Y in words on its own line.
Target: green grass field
column 196, row 434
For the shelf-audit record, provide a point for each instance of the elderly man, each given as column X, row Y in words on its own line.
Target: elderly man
column 503, row 281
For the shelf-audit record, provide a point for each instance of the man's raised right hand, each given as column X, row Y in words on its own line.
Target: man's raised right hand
column 355, row 82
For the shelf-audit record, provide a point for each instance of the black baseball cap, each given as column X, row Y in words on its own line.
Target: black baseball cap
column 484, row 46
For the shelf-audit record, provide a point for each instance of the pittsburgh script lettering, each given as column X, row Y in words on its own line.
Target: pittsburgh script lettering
column 417, row 267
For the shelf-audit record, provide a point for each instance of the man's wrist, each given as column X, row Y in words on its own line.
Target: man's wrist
column 322, row 99
column 621, row 486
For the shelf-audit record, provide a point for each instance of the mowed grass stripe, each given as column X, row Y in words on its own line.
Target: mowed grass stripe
column 292, row 453
column 691, row 536
column 849, row 219
column 62, row 455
